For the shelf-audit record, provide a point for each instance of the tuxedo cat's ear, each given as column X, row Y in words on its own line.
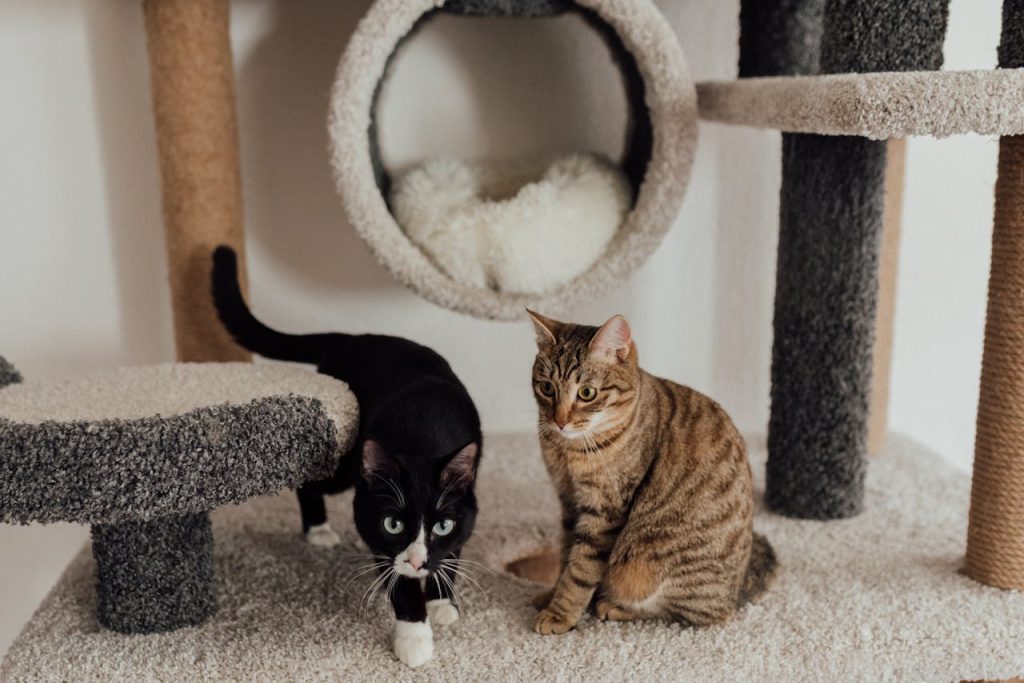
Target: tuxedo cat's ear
column 376, row 460
column 544, row 328
column 613, row 341
column 460, row 471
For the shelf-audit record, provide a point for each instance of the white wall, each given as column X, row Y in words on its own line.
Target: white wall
column 83, row 276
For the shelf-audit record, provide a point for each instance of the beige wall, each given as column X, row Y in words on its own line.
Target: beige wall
column 82, row 280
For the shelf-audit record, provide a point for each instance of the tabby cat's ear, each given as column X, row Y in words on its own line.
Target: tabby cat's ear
column 377, row 461
column 612, row 342
column 460, row 471
column 544, row 329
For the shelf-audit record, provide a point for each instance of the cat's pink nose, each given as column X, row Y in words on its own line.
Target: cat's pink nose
column 561, row 423
column 415, row 561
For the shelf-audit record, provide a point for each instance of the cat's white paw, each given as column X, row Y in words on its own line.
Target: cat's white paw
column 442, row 612
column 323, row 536
column 414, row 642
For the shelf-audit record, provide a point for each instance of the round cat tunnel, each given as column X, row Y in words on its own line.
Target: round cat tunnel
column 489, row 238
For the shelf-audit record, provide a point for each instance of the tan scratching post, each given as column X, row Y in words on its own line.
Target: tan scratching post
column 881, row 371
column 995, row 535
column 194, row 103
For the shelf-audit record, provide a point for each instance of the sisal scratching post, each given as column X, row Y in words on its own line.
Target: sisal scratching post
column 888, row 265
column 194, row 104
column 831, row 215
column 995, row 533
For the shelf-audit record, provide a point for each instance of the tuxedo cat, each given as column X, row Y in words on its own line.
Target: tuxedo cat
column 413, row 466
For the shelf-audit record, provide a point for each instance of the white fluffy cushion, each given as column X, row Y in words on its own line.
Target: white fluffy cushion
column 512, row 227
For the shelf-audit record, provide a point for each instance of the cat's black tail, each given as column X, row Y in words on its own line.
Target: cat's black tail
column 243, row 325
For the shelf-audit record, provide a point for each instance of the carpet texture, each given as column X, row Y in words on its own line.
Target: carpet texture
column 876, row 105
column 825, row 296
column 141, row 443
column 860, row 36
column 877, row 598
column 780, row 37
column 8, row 373
column 144, row 453
column 830, row 225
column 670, row 105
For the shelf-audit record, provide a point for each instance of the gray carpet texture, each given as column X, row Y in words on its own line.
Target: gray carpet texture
column 154, row 576
column 862, row 36
column 507, row 8
column 825, row 293
column 1011, row 41
column 827, row 272
column 144, row 453
column 876, row 106
column 143, row 443
column 8, row 373
column 874, row 598
column 780, row 37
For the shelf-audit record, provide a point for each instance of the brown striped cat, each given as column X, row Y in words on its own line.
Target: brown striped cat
column 655, row 487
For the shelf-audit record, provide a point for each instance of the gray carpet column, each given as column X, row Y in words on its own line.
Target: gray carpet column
column 827, row 272
column 154, row 576
column 8, row 373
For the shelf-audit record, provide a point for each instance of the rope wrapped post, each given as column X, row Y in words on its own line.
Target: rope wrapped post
column 995, row 533
column 831, row 217
column 192, row 80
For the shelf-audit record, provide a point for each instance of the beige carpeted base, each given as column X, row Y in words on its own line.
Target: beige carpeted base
column 874, row 598
column 876, row 105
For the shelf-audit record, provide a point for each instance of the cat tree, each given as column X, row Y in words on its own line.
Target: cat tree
column 831, row 222
column 852, row 599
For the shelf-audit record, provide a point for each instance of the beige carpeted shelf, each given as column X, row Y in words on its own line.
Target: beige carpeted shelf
column 874, row 105
column 876, row 597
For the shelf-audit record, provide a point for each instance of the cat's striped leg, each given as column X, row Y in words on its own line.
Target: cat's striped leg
column 543, row 599
column 593, row 538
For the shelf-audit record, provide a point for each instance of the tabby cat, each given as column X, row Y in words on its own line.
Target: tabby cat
column 654, row 483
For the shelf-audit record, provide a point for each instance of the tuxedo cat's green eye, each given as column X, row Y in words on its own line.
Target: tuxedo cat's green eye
column 587, row 393
column 393, row 526
column 547, row 388
column 444, row 527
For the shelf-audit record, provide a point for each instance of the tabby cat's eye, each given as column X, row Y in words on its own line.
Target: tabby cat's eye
column 587, row 393
column 547, row 388
column 393, row 526
column 444, row 527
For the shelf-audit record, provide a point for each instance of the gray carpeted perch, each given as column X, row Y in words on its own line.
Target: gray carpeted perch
column 143, row 454
column 827, row 273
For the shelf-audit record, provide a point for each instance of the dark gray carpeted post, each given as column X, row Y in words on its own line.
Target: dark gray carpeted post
column 8, row 373
column 154, row 576
column 827, row 273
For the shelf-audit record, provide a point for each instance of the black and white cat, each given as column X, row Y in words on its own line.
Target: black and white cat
column 413, row 466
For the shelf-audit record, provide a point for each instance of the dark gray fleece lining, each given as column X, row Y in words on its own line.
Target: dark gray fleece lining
column 827, row 272
column 120, row 470
column 154, row 576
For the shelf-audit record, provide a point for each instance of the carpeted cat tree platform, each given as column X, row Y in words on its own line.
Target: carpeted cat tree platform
column 877, row 597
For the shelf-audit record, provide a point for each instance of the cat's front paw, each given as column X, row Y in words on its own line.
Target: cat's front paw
column 548, row 623
column 442, row 612
column 323, row 536
column 414, row 642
